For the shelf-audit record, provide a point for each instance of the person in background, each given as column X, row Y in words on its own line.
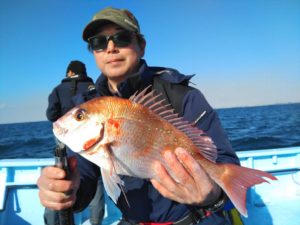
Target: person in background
column 76, row 81
column 115, row 39
column 61, row 101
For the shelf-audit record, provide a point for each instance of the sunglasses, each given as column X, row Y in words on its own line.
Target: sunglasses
column 120, row 39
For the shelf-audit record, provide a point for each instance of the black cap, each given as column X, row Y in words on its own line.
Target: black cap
column 77, row 67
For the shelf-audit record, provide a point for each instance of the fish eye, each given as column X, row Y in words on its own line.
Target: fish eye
column 80, row 115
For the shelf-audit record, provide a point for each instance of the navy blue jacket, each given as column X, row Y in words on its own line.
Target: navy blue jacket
column 146, row 203
column 60, row 99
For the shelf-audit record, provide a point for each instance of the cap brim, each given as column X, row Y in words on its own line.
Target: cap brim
column 94, row 26
column 91, row 29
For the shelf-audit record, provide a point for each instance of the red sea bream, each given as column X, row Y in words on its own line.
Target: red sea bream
column 126, row 137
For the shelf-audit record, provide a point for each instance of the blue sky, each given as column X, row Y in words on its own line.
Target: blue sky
column 243, row 53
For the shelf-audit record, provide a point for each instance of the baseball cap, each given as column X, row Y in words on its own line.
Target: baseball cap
column 121, row 17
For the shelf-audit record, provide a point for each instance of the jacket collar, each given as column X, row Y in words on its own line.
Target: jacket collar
column 135, row 82
column 142, row 79
column 77, row 78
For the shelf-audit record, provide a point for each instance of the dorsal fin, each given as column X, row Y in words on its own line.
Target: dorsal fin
column 153, row 101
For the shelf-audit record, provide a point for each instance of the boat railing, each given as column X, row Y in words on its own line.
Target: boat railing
column 18, row 178
column 20, row 173
column 284, row 163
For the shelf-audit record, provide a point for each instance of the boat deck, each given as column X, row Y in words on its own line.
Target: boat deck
column 23, row 208
column 278, row 212
column 277, row 203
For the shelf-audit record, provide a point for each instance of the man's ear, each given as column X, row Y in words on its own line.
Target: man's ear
column 142, row 44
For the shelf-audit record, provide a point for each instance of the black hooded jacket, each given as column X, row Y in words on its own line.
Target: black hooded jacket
column 60, row 99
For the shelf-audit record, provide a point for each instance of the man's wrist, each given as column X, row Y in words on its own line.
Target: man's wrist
column 217, row 204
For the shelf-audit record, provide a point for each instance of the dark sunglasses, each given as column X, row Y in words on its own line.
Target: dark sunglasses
column 120, row 39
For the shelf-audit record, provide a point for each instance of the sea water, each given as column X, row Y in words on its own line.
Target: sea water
column 248, row 128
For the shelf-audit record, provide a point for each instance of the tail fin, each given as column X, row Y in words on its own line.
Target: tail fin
column 236, row 180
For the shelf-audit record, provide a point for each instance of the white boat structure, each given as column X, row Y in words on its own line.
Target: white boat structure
column 275, row 204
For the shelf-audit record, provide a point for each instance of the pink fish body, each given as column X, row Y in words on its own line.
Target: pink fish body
column 126, row 137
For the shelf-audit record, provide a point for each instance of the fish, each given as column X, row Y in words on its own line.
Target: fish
column 128, row 136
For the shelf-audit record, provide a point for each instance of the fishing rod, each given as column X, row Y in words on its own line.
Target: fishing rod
column 60, row 155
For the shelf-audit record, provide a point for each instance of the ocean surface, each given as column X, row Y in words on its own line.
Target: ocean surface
column 248, row 128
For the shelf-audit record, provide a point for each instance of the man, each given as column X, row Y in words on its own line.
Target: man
column 118, row 46
column 60, row 101
column 76, row 81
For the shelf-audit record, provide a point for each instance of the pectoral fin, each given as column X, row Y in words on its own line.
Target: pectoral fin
column 112, row 183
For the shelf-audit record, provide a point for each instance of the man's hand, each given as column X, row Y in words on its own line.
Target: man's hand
column 191, row 184
column 55, row 192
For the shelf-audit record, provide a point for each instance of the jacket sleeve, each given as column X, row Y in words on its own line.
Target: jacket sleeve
column 84, row 96
column 89, row 174
column 195, row 105
column 53, row 111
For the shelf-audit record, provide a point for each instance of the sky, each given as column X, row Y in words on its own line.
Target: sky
column 243, row 53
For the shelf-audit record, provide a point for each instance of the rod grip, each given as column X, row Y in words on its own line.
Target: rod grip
column 61, row 161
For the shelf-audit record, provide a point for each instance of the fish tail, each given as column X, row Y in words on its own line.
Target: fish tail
column 235, row 181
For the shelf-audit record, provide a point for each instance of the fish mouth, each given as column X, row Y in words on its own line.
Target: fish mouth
column 59, row 130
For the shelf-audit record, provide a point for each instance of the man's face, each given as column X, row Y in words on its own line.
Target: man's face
column 117, row 62
column 70, row 73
